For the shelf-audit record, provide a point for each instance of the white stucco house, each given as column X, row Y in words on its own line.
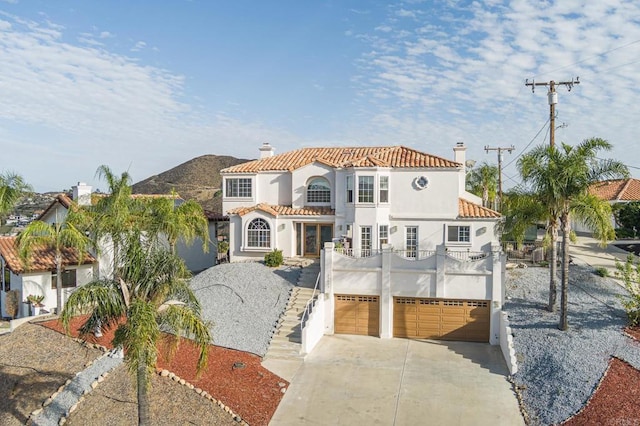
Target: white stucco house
column 407, row 251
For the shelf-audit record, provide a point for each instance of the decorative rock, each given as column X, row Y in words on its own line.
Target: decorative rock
column 164, row 373
column 198, row 391
column 47, row 401
column 73, row 408
column 281, row 384
column 190, row 386
column 36, row 412
column 100, row 379
column 62, row 421
column 60, row 389
column 226, row 409
column 67, row 382
column 171, row 376
column 176, row 378
column 283, row 390
column 237, row 418
column 182, row 381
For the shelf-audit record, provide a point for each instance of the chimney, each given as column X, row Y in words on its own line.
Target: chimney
column 460, row 156
column 266, row 150
column 82, row 194
column 460, row 153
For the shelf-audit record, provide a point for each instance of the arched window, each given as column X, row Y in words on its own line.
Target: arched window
column 259, row 234
column 319, row 191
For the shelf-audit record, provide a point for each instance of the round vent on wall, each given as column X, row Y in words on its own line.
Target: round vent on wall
column 421, row 182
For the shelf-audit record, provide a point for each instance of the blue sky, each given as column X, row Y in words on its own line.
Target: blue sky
column 144, row 86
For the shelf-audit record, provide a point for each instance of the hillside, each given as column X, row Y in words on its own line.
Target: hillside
column 197, row 179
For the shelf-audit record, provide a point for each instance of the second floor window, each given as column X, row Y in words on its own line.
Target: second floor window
column 319, row 191
column 349, row 189
column 383, row 235
column 384, row 189
column 459, row 234
column 365, row 189
column 238, row 188
column 411, row 242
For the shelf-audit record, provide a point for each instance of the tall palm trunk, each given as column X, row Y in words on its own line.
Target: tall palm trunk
column 143, row 392
column 553, row 267
column 58, row 282
column 564, row 324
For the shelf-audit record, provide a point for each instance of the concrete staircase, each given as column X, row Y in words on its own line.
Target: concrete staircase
column 286, row 341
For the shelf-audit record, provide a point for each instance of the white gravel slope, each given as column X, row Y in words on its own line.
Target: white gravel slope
column 243, row 301
column 558, row 371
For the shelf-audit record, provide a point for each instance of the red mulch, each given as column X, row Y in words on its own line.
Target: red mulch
column 634, row 332
column 616, row 401
column 253, row 392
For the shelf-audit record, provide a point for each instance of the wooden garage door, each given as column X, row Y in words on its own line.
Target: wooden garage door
column 445, row 319
column 357, row 315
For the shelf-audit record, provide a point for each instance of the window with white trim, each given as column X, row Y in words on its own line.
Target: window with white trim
column 319, row 191
column 365, row 240
column 365, row 189
column 459, row 234
column 349, row 189
column 383, row 196
column 411, row 241
column 383, row 235
column 69, row 279
column 238, row 188
column 259, row 234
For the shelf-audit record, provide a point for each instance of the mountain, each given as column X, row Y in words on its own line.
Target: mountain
column 197, row 179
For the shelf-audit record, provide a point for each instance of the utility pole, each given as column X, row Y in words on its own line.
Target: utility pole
column 487, row 148
column 553, row 100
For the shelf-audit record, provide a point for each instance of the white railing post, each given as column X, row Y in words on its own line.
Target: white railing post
column 386, row 300
column 441, row 259
column 497, row 291
column 326, row 269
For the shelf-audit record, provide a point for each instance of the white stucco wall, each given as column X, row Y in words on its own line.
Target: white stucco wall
column 300, row 178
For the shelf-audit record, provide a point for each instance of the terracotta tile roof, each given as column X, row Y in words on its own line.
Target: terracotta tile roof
column 41, row 260
column 215, row 217
column 284, row 210
column 63, row 199
column 469, row 210
column 617, row 190
column 386, row 156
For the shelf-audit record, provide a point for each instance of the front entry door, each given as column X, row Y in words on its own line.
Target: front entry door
column 315, row 235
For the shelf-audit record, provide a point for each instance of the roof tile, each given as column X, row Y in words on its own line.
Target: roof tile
column 389, row 156
column 617, row 190
column 42, row 259
column 469, row 210
column 284, row 210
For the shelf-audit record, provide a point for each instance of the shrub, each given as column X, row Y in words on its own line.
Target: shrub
column 602, row 271
column 12, row 303
column 223, row 246
column 629, row 273
column 273, row 258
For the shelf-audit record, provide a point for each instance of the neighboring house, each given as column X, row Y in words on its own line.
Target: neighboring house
column 194, row 257
column 416, row 255
column 617, row 191
column 39, row 279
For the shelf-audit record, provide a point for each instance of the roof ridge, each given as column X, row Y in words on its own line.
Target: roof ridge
column 620, row 194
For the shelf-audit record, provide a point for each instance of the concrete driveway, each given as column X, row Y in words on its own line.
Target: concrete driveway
column 359, row 380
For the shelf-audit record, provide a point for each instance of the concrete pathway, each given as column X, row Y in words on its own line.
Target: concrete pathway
column 353, row 380
column 587, row 250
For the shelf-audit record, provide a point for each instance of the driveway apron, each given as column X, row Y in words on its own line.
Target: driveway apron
column 351, row 380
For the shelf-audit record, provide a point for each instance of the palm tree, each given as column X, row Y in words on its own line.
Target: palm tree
column 59, row 237
column 562, row 178
column 483, row 181
column 186, row 221
column 152, row 294
column 12, row 187
column 115, row 216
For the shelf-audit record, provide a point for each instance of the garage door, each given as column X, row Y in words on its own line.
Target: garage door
column 446, row 319
column 357, row 315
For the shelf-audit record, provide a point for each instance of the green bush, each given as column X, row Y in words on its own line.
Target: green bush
column 273, row 258
column 223, row 246
column 629, row 273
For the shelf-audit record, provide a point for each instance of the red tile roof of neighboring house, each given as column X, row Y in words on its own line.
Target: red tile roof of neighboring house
column 617, row 190
column 42, row 259
column 63, row 199
column 386, row 156
column 467, row 209
column 284, row 210
column 215, row 217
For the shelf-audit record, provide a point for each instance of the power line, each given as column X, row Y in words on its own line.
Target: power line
column 487, row 148
column 553, row 100
column 528, row 145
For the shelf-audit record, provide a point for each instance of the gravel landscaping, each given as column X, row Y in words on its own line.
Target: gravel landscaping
column 243, row 301
column 558, row 371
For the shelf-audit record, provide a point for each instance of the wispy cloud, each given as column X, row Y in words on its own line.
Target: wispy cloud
column 67, row 109
column 458, row 71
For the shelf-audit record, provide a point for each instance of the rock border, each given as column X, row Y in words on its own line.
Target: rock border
column 168, row 374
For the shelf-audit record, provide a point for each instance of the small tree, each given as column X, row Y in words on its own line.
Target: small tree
column 629, row 273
